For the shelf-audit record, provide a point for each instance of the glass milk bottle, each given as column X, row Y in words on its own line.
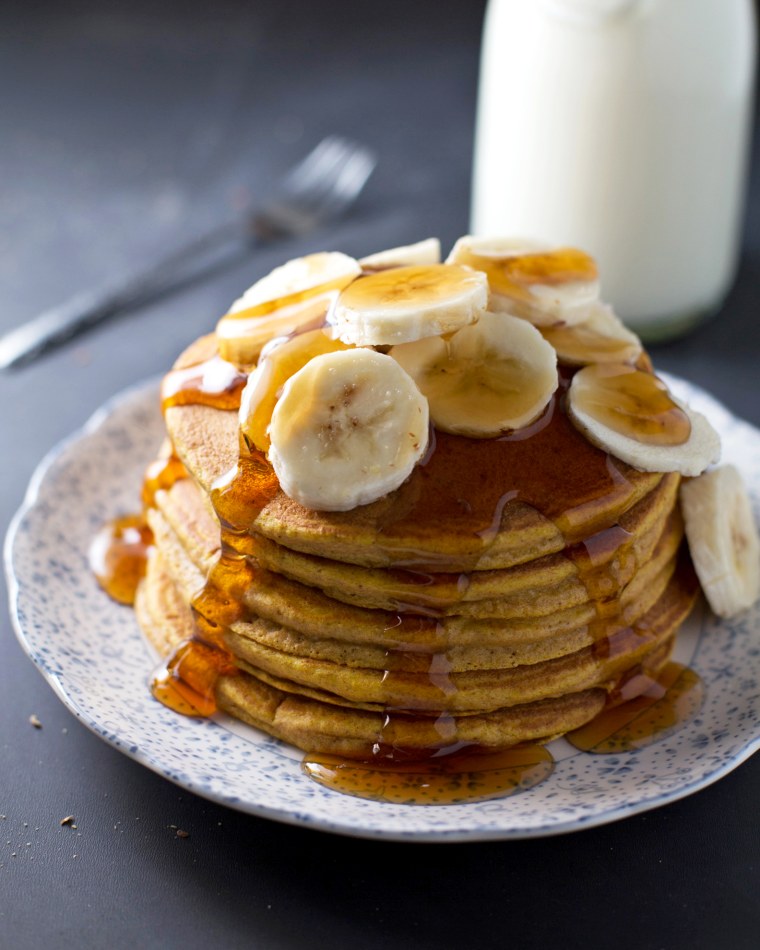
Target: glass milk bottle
column 621, row 127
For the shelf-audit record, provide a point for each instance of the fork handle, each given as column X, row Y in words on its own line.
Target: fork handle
column 86, row 309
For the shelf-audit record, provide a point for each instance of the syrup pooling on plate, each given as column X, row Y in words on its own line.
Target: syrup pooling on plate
column 661, row 702
column 119, row 552
column 118, row 555
column 469, row 775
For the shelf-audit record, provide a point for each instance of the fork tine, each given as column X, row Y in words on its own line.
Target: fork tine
column 319, row 187
column 330, row 164
column 316, row 167
column 339, row 184
column 349, row 181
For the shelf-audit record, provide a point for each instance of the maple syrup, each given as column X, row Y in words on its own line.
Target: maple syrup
column 583, row 343
column 514, row 276
column 186, row 681
column 605, row 561
column 214, row 382
column 279, row 306
column 466, row 775
column 659, row 704
column 396, row 288
column 432, row 697
column 118, row 556
column 160, row 476
column 632, row 402
column 464, row 485
column 221, row 600
column 415, row 633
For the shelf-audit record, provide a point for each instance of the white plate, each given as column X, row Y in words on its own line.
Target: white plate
column 92, row 653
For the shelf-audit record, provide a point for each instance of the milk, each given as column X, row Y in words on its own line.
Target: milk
column 622, row 127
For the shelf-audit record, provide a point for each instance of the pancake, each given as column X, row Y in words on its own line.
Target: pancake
column 474, row 504
column 391, row 532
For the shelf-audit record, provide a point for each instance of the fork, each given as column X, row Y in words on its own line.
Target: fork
column 320, row 188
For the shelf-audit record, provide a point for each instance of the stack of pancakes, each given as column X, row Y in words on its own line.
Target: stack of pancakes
column 504, row 593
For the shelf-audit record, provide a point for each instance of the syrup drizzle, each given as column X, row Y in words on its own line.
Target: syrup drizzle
column 237, row 499
column 514, row 276
column 464, row 486
column 214, row 382
column 160, row 476
column 632, row 402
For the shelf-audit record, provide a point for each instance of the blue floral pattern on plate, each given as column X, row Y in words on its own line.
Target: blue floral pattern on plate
column 92, row 653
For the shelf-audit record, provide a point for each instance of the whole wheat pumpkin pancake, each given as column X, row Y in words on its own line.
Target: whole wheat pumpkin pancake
column 512, row 511
column 393, row 531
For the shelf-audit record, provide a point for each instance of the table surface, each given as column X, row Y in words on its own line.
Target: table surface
column 126, row 128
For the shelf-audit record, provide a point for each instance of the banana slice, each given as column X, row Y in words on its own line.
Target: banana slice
column 409, row 303
column 631, row 414
column 289, row 299
column 543, row 285
column 348, row 428
column 496, row 375
column 298, row 276
column 421, row 253
column 723, row 539
column 280, row 359
column 601, row 338
column 494, row 247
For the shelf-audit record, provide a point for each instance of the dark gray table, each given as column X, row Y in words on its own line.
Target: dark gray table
column 125, row 128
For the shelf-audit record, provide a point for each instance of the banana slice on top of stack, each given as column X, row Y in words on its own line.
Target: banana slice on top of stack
column 293, row 298
column 485, row 379
column 357, row 358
